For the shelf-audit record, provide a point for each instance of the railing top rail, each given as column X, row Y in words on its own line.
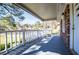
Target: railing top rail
column 19, row 31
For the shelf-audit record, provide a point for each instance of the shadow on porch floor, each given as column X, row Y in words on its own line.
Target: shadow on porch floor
column 48, row 46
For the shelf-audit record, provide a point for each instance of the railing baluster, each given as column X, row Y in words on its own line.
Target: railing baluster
column 29, row 36
column 15, row 38
column 19, row 37
column 41, row 32
column 26, row 35
column 44, row 32
column 32, row 35
column 0, row 41
column 6, row 42
column 33, row 32
column 37, row 33
column 23, row 37
column 11, row 40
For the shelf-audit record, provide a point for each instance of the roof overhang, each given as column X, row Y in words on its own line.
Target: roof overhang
column 43, row 11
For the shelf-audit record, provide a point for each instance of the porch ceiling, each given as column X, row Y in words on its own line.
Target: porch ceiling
column 44, row 11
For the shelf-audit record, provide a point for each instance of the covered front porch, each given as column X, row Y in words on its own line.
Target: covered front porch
column 46, row 37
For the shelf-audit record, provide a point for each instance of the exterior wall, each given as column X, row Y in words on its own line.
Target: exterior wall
column 76, row 30
column 74, row 27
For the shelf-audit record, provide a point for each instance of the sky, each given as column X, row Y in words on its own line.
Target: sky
column 29, row 19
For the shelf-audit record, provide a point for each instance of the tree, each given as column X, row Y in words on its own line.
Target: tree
column 11, row 10
column 6, row 22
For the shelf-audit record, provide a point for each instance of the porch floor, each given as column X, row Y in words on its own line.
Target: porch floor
column 53, row 45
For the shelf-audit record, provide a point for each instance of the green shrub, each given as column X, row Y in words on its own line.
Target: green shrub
column 2, row 46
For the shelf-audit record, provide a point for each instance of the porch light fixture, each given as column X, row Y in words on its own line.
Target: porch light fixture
column 62, row 16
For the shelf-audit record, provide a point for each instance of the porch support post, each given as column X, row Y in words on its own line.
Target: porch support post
column 73, row 26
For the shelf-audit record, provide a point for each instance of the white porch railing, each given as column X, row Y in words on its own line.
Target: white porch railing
column 12, row 39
